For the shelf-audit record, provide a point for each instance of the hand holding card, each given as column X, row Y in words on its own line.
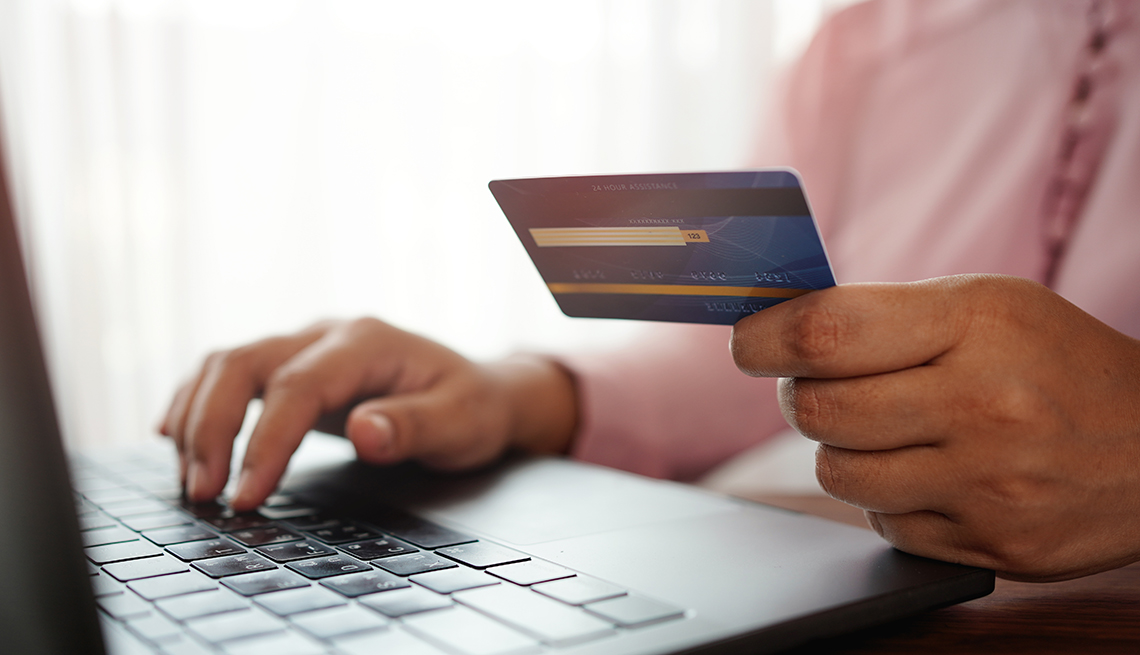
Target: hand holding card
column 684, row 247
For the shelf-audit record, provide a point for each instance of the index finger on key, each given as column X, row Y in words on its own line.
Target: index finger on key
column 850, row 330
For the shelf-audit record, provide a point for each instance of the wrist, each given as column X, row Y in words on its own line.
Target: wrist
column 542, row 401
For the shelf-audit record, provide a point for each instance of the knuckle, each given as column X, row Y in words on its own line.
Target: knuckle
column 807, row 406
column 289, row 381
column 818, row 333
column 829, row 472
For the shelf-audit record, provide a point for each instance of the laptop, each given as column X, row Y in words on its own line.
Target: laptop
column 531, row 555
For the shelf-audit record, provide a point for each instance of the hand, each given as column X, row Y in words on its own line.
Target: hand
column 413, row 399
column 977, row 419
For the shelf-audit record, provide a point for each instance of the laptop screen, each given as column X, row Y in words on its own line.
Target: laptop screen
column 46, row 604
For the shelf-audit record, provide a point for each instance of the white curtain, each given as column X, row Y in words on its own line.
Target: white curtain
column 195, row 174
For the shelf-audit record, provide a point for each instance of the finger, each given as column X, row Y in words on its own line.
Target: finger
column 890, row 481
column 876, row 412
column 229, row 382
column 851, row 330
column 928, row 534
column 174, row 423
column 442, row 427
column 326, row 375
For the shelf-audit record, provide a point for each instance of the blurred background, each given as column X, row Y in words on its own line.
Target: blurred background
column 194, row 174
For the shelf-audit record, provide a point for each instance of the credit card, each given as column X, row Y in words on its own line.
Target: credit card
column 684, row 247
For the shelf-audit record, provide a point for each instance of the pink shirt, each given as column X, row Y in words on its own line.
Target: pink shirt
column 935, row 137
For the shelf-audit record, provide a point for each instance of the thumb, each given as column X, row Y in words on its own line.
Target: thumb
column 428, row 426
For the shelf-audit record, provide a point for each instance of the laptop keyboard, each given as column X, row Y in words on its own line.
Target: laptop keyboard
column 289, row 580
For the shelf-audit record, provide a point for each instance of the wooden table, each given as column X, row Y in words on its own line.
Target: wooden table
column 1096, row 614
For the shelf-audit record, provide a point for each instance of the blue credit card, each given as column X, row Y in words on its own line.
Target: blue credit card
column 685, row 247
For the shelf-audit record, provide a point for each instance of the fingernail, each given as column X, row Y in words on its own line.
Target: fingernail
column 196, row 481
column 382, row 435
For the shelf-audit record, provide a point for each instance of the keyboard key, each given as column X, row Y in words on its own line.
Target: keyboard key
column 386, row 641
column 377, row 548
column 235, row 625
column 206, row 510
column 103, row 536
column 291, row 642
column 126, row 508
column 533, row 572
column 155, row 627
column 270, row 534
column 339, row 621
column 166, row 519
column 171, row 585
column 423, row 533
column 123, row 606
column 144, row 568
column 452, row 580
column 312, row 521
column 343, row 532
column 359, row 584
column 466, row 631
column 220, row 567
column 113, row 494
column 414, row 563
column 197, row 550
column 399, row 602
column 178, row 535
column 122, row 552
column 205, row 603
column 326, row 567
column 295, row 550
column 292, row 601
column 105, row 585
column 287, row 512
column 579, row 590
column 481, row 554
column 634, row 611
column 547, row 620
column 230, row 523
column 93, row 520
column 253, row 584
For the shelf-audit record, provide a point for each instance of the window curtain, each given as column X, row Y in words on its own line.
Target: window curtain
column 191, row 175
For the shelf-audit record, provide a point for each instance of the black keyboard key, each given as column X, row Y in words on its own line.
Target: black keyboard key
column 481, row 554
column 312, row 522
column 175, row 584
column 423, row 533
column 634, row 611
column 270, row 534
column 399, row 602
column 167, row 519
column 295, row 550
column 377, row 548
column 230, row 523
column 144, row 568
column 294, row 601
column 206, row 510
column 414, row 563
column 359, row 584
column 343, row 532
column 178, row 534
column 326, row 567
column 221, row 567
column 253, row 584
column 287, row 512
column 121, row 552
column 196, row 550
column 452, row 580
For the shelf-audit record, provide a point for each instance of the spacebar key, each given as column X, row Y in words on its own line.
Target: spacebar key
column 547, row 620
